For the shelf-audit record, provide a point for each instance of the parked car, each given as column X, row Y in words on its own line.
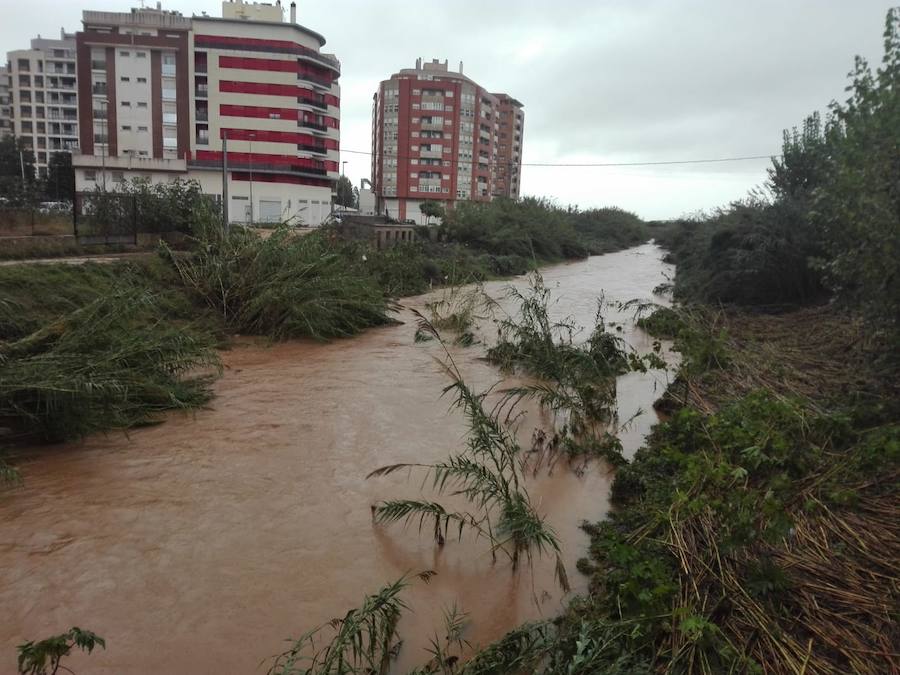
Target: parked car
column 55, row 207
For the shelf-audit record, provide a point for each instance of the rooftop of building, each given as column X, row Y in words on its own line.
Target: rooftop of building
column 441, row 69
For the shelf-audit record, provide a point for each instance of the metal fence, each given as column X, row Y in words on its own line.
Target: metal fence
column 114, row 218
column 36, row 220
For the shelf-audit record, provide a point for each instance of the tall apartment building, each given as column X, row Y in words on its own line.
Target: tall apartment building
column 43, row 97
column 5, row 111
column 163, row 95
column 438, row 135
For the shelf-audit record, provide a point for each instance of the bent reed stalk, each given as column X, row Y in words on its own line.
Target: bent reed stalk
column 486, row 474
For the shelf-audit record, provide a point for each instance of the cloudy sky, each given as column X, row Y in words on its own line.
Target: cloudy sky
column 601, row 81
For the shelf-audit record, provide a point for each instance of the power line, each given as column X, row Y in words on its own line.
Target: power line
column 579, row 164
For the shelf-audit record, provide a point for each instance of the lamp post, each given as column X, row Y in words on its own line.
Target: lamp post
column 104, row 102
column 250, row 161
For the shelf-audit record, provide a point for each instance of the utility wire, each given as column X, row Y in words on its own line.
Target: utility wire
column 454, row 161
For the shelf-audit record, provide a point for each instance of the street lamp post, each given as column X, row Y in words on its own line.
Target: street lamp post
column 250, row 160
column 104, row 102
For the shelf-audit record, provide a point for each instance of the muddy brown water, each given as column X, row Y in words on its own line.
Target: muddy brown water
column 200, row 545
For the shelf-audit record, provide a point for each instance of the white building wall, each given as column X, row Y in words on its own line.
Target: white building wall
column 135, row 121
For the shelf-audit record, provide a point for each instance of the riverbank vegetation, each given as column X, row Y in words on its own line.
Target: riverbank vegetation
column 488, row 474
column 825, row 225
column 90, row 347
column 758, row 529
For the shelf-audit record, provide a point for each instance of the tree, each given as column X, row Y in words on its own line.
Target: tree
column 858, row 205
column 347, row 194
column 431, row 209
column 14, row 156
column 60, row 184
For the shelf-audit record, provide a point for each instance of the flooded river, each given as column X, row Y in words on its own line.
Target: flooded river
column 201, row 544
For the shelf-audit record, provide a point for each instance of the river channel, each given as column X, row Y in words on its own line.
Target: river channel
column 201, row 544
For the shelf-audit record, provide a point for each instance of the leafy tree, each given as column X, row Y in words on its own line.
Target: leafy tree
column 13, row 155
column 347, row 194
column 858, row 205
column 431, row 209
column 803, row 162
column 60, row 185
column 43, row 657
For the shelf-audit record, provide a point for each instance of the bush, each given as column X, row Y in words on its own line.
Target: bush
column 284, row 286
column 530, row 228
column 113, row 363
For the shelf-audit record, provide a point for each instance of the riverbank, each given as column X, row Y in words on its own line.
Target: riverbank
column 758, row 529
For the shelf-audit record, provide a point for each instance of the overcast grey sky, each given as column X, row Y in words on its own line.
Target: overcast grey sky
column 601, row 81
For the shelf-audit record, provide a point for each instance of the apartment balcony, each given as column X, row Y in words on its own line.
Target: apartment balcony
column 431, row 153
column 98, row 89
column 202, row 115
column 319, row 149
column 259, row 167
column 98, row 65
column 315, row 79
column 96, row 114
column 202, row 139
column 436, row 126
column 201, row 92
column 129, row 162
column 312, row 125
column 101, row 138
column 322, row 105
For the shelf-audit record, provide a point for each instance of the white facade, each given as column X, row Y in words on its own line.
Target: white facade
column 43, row 97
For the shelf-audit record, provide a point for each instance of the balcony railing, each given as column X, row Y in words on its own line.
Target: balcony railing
column 202, row 115
column 311, row 125
column 101, row 138
column 98, row 65
column 258, row 167
column 202, row 92
column 317, row 79
column 313, row 102
column 321, row 149
column 99, row 89
column 96, row 114
column 202, row 140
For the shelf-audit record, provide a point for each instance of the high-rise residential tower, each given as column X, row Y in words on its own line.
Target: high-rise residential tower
column 5, row 111
column 43, row 98
column 438, row 135
column 164, row 95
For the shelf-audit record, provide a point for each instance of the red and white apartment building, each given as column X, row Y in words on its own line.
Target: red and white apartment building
column 438, row 135
column 159, row 93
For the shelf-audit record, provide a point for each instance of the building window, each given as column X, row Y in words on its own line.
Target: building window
column 124, row 53
column 125, row 79
column 142, row 104
column 90, row 175
column 126, row 104
column 118, row 177
column 142, row 129
column 126, row 127
column 141, row 55
column 142, row 80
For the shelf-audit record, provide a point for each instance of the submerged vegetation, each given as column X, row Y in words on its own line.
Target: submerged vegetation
column 87, row 348
column 577, row 382
column 488, row 474
column 44, row 657
column 283, row 286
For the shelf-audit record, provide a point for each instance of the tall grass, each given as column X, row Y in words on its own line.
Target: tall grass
column 284, row 286
column 488, row 475
column 364, row 641
column 577, row 382
column 113, row 363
